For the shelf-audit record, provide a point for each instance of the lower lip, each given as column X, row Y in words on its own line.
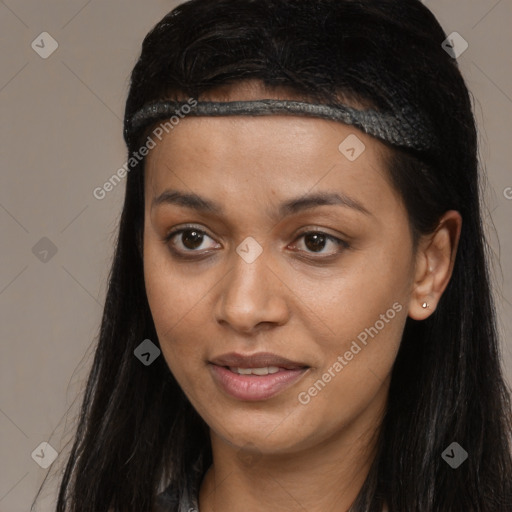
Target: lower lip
column 254, row 387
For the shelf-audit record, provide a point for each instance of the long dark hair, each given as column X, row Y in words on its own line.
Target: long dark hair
column 137, row 429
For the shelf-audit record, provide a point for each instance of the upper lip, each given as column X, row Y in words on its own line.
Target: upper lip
column 258, row 360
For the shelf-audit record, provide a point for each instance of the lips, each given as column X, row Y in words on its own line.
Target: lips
column 255, row 377
column 258, row 360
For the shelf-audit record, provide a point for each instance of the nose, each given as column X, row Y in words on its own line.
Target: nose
column 252, row 297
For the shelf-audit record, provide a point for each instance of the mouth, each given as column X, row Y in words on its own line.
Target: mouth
column 255, row 377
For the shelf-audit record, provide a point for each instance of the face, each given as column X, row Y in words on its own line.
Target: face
column 278, row 271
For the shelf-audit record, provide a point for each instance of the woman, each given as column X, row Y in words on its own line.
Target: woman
column 299, row 314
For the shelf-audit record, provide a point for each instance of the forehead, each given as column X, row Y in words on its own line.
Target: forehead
column 271, row 147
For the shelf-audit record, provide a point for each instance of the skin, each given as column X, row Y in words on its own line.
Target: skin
column 280, row 454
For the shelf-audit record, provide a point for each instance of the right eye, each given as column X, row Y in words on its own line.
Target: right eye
column 190, row 240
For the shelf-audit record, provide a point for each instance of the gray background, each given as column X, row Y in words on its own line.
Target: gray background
column 61, row 134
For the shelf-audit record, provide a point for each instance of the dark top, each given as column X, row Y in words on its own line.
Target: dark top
column 170, row 499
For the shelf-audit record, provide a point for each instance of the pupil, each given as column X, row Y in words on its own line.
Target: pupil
column 195, row 239
column 319, row 241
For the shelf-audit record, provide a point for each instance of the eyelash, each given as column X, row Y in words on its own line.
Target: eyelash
column 167, row 239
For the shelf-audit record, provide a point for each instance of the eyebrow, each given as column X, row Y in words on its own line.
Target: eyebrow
column 289, row 207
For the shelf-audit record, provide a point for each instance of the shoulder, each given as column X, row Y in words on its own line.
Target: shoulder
column 177, row 499
column 172, row 500
column 167, row 501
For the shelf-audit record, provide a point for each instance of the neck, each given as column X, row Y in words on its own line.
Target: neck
column 325, row 476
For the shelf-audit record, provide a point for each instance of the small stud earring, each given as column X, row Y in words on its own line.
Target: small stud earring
column 424, row 305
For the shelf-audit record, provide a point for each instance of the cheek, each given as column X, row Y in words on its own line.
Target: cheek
column 176, row 299
column 356, row 359
column 365, row 310
column 366, row 287
column 365, row 328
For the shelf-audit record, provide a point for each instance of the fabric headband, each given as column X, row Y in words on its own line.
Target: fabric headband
column 405, row 127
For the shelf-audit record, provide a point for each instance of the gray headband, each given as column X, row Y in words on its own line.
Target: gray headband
column 405, row 127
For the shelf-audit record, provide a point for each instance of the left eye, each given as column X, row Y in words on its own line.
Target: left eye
column 316, row 241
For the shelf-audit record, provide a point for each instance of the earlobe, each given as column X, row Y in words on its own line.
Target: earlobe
column 435, row 260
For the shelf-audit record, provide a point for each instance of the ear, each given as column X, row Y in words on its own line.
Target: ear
column 435, row 258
